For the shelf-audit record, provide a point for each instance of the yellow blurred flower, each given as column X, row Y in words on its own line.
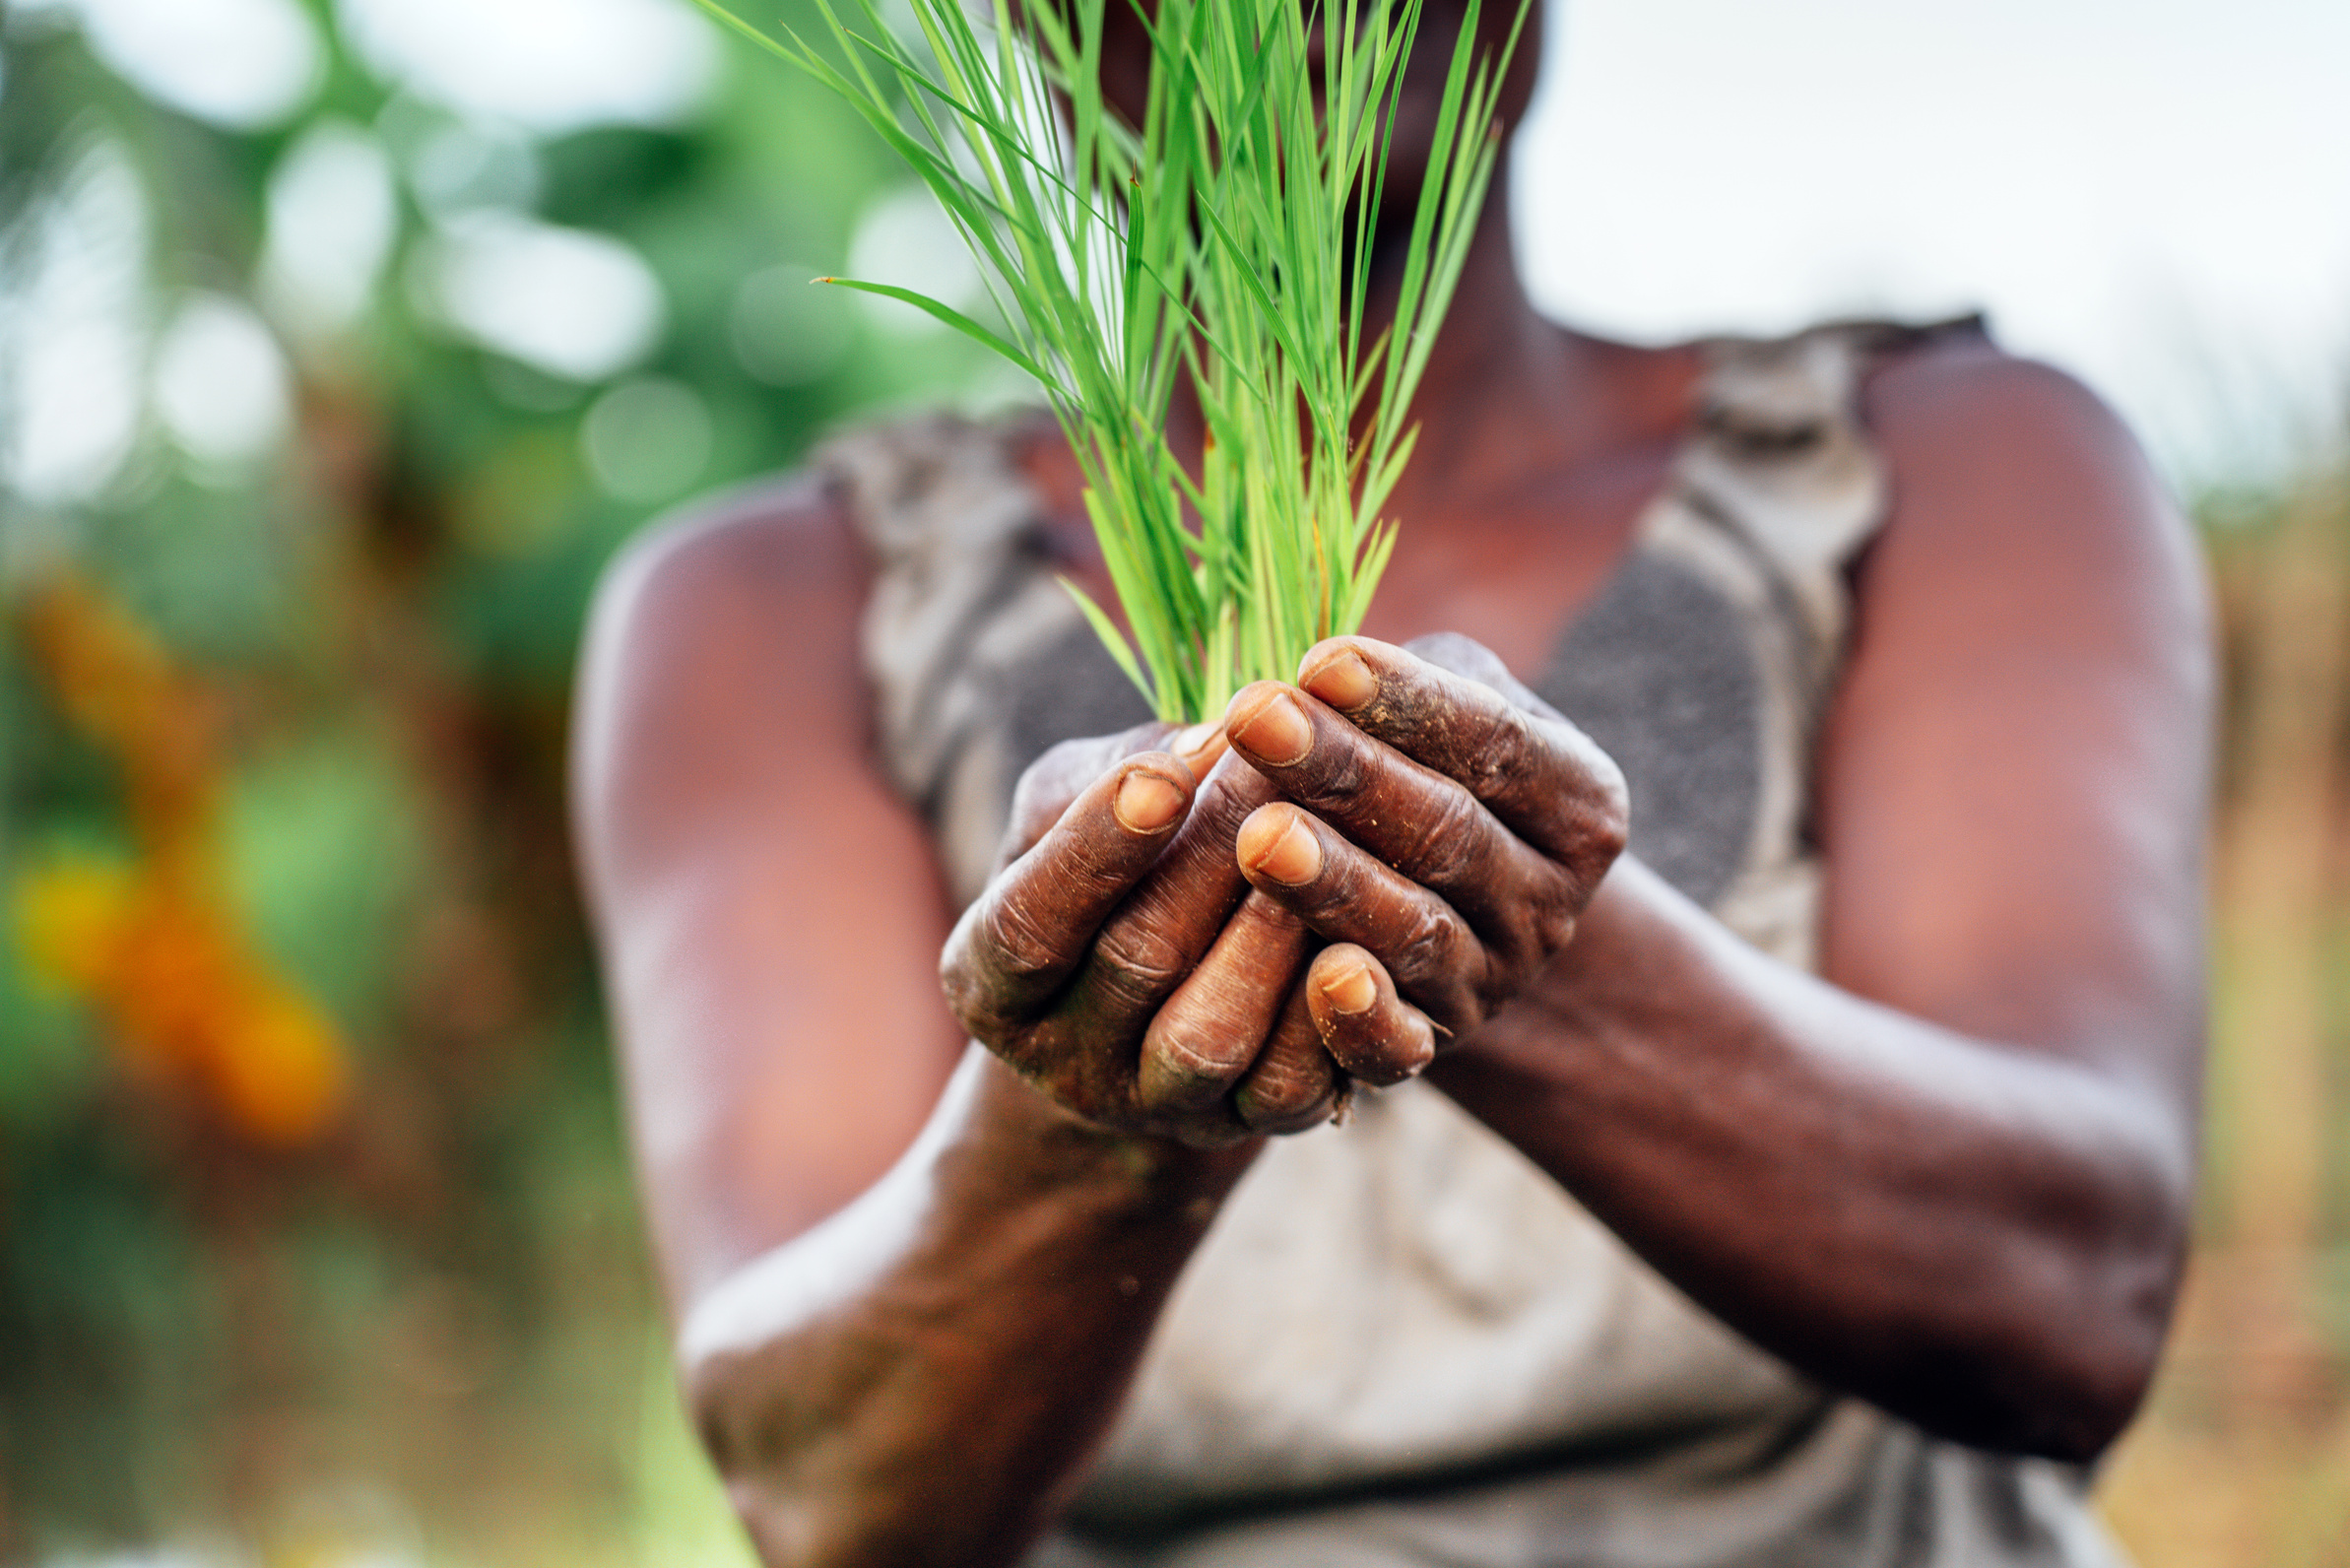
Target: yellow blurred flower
column 70, row 918
column 154, row 946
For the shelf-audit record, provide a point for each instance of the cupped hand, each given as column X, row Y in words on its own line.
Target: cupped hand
column 1389, row 851
column 1439, row 826
column 1120, row 963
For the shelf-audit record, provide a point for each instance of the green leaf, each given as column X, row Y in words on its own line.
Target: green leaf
column 1224, row 240
column 945, row 313
column 1114, row 641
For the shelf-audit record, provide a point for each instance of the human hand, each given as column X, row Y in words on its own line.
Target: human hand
column 1122, row 965
column 1440, row 825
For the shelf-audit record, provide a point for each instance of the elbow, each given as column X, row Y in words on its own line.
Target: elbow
column 2124, row 1283
column 764, row 1458
column 2080, row 1408
column 2066, row 1370
column 817, row 1484
column 2070, row 1353
column 2063, row 1386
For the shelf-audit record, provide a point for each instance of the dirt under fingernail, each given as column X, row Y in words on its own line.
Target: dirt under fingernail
column 1147, row 803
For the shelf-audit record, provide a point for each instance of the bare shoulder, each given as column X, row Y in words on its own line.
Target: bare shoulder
column 745, row 562
column 2012, row 776
column 768, row 907
column 2000, row 463
column 721, row 654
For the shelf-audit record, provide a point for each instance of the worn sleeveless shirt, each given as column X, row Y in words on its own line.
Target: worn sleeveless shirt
column 1402, row 1343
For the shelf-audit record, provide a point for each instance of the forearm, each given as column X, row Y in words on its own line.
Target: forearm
column 1981, row 1238
column 922, row 1378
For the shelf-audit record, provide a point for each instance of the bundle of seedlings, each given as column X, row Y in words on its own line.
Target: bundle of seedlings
column 1226, row 239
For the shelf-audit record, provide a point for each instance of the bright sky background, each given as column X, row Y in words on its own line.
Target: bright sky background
column 2155, row 193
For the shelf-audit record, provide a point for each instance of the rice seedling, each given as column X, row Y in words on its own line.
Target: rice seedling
column 1227, row 238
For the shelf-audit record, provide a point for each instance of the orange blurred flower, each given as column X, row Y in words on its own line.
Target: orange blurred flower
column 155, row 945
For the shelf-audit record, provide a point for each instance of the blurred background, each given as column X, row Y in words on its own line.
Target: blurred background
column 341, row 344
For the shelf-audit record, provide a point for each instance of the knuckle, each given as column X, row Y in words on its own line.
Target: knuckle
column 1468, row 1004
column 1459, row 654
column 1611, row 825
column 971, row 993
column 1598, row 830
column 1057, row 776
column 1137, row 962
column 1271, row 920
column 1018, row 950
column 1195, row 1050
column 1538, row 924
column 1220, row 1128
column 1427, row 944
column 1285, row 1096
column 1497, row 985
column 1599, row 804
column 1343, row 775
column 1551, row 921
column 1450, row 842
column 1499, row 761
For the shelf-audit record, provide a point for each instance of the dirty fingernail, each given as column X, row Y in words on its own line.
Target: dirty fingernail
column 1344, row 682
column 1352, row 990
column 1278, row 731
column 1147, row 803
column 1281, row 846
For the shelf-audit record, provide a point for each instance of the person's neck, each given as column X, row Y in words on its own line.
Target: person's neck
column 1511, row 398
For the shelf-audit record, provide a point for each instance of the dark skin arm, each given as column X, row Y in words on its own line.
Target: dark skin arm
column 1952, row 1174
column 771, row 921
column 1961, row 1158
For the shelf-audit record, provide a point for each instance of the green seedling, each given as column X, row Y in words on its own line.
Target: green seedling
column 1228, row 239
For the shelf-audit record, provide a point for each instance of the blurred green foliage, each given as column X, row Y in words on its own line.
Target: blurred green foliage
column 426, row 1334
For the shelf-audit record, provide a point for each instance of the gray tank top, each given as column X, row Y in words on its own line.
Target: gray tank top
column 1401, row 1342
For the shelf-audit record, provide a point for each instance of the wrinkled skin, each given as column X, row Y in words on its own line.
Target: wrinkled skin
column 1382, row 855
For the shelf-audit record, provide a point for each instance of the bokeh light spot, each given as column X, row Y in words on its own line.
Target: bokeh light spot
column 789, row 330
column 563, row 301
column 332, row 217
column 220, row 382
column 547, row 65
column 72, row 336
column 904, row 238
column 646, row 440
column 245, row 64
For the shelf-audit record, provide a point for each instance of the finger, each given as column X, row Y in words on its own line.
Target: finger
column 1153, row 940
column 1425, row 826
column 1213, row 1027
column 1058, row 778
column 1542, row 776
column 1293, row 1085
column 1020, row 940
column 1346, row 895
column 1369, row 1031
